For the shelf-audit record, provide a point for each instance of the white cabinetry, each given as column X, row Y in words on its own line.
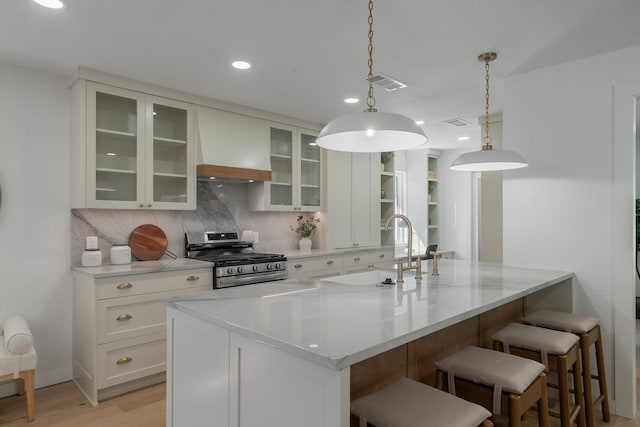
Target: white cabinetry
column 316, row 267
column 367, row 260
column 387, row 200
column 353, row 199
column 119, row 328
column 433, row 198
column 296, row 173
column 130, row 150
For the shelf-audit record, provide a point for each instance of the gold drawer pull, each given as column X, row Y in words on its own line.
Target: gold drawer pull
column 356, row 259
column 193, row 278
column 124, row 286
column 123, row 317
column 124, row 360
column 330, row 262
column 297, row 266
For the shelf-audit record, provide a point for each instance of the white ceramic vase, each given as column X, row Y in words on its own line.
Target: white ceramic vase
column 305, row 244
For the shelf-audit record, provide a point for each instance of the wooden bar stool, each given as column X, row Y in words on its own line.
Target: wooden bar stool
column 588, row 329
column 502, row 383
column 559, row 352
column 409, row 403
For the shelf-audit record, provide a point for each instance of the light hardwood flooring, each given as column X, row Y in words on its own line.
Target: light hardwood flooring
column 62, row 405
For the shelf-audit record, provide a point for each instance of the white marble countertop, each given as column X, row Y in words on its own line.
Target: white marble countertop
column 140, row 267
column 336, row 325
column 297, row 253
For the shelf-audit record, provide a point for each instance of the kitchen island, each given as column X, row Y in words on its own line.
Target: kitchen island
column 296, row 352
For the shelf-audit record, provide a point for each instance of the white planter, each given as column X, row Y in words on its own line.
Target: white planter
column 305, row 244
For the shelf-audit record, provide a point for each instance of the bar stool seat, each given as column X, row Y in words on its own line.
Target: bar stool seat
column 559, row 352
column 503, row 383
column 409, row 403
column 588, row 329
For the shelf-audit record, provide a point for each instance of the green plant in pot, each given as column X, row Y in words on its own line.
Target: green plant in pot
column 385, row 158
column 305, row 227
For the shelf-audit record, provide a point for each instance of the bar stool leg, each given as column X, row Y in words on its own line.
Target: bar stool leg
column 602, row 380
column 514, row 411
column 579, row 393
column 563, row 389
column 543, row 406
column 586, row 372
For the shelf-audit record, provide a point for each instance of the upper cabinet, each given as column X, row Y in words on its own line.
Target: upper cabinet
column 353, row 200
column 296, row 172
column 387, row 198
column 131, row 150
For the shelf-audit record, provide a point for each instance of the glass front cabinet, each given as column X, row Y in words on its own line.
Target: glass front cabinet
column 139, row 151
column 296, row 172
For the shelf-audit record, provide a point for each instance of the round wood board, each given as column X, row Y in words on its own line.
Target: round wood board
column 147, row 242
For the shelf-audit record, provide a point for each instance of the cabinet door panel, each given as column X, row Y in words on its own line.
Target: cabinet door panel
column 339, row 206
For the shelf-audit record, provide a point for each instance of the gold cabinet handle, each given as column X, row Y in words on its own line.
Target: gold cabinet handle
column 297, row 266
column 124, row 286
column 330, row 262
column 124, row 360
column 124, row 317
column 193, row 278
column 381, row 256
column 356, row 259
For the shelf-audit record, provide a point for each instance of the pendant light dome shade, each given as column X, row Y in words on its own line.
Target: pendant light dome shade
column 488, row 160
column 371, row 132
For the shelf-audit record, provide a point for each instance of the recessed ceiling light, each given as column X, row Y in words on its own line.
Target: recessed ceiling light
column 463, row 138
column 51, row 4
column 111, row 154
column 351, row 100
column 313, row 346
column 419, row 122
column 241, row 65
column 212, row 177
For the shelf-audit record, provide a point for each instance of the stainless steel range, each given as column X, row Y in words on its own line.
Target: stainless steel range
column 236, row 262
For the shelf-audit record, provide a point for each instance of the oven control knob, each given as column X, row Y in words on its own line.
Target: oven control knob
column 240, row 269
column 269, row 267
column 230, row 270
column 278, row 266
column 255, row 268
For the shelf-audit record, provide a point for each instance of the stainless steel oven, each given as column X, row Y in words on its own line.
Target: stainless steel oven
column 236, row 262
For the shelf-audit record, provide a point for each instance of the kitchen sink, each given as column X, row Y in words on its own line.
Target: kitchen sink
column 373, row 277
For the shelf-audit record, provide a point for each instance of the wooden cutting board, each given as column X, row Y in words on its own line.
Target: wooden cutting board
column 147, row 242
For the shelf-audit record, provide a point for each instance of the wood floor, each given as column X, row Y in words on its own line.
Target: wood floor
column 62, row 405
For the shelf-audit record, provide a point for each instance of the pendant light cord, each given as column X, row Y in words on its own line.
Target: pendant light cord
column 487, row 57
column 371, row 101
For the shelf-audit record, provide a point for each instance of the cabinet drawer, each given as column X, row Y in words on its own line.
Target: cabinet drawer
column 137, row 284
column 300, row 267
column 367, row 258
column 127, row 360
column 128, row 317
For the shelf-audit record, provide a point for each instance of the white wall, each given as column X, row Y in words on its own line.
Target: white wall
column 558, row 212
column 35, row 277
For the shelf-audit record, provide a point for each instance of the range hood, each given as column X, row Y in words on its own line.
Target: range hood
column 231, row 147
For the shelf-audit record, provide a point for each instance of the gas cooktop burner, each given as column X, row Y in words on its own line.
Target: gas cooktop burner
column 236, row 262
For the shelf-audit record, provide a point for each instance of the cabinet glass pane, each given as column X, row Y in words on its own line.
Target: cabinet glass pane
column 281, row 195
column 309, row 171
column 116, row 147
column 169, row 154
column 281, row 149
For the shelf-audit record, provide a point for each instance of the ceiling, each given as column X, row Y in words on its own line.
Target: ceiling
column 308, row 55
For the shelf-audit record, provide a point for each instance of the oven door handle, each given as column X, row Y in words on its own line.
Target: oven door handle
column 223, row 282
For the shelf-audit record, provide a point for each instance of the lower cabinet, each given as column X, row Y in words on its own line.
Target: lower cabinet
column 216, row 377
column 119, row 328
column 318, row 267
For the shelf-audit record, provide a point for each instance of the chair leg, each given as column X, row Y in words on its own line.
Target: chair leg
column 514, row 411
column 602, row 380
column 577, row 387
column 586, row 374
column 28, row 378
column 20, row 382
column 543, row 403
column 563, row 390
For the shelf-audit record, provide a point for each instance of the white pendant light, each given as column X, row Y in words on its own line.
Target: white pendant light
column 488, row 159
column 371, row 131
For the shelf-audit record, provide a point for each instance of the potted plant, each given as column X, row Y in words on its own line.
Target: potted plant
column 385, row 158
column 305, row 228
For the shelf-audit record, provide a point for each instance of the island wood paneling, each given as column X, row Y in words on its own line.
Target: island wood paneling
column 417, row 359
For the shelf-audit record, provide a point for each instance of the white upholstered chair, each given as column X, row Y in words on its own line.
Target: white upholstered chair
column 18, row 358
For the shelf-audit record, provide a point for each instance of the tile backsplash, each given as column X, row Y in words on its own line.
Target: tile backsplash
column 218, row 208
